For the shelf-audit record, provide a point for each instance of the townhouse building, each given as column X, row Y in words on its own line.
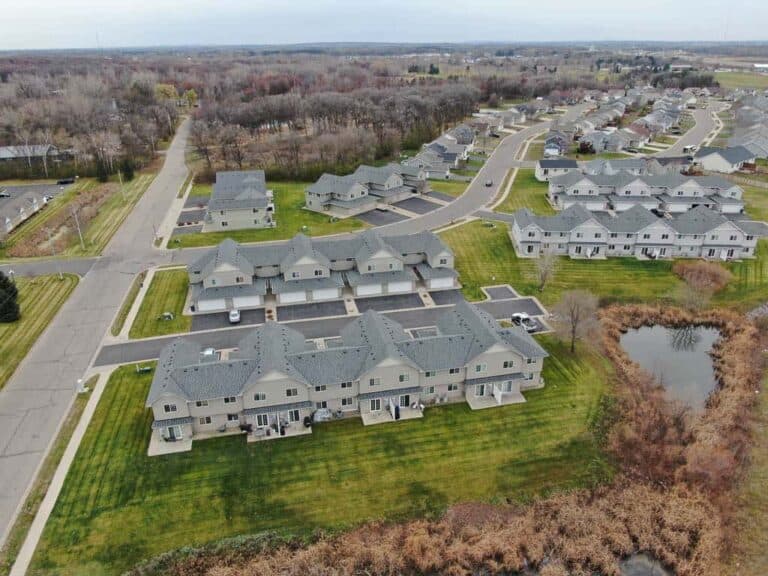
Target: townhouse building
column 578, row 233
column 235, row 276
column 272, row 383
column 668, row 192
column 240, row 200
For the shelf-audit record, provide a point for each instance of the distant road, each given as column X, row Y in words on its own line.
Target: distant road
column 696, row 135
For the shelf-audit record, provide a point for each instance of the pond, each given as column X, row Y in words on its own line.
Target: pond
column 678, row 358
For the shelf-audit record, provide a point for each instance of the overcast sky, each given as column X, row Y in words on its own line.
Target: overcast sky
column 117, row 23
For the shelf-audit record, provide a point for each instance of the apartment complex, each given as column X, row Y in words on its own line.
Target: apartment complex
column 579, row 233
column 240, row 199
column 235, row 276
column 273, row 382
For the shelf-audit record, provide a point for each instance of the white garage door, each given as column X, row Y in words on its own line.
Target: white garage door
column 211, row 305
column 246, row 301
column 289, row 297
column 393, row 287
column 325, row 294
column 441, row 283
column 368, row 289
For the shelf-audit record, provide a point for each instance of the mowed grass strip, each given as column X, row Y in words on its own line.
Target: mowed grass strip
column 39, row 299
column 167, row 292
column 125, row 309
column 290, row 215
column 485, row 256
column 451, row 187
column 119, row 506
column 527, row 192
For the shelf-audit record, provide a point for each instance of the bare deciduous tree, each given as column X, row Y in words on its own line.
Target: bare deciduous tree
column 545, row 267
column 576, row 315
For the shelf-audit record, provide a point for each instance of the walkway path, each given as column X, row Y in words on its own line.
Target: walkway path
column 38, row 396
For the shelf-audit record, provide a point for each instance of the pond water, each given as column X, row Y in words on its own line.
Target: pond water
column 678, row 358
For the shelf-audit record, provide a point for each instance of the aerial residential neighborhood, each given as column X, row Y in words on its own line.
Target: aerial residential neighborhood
column 343, row 297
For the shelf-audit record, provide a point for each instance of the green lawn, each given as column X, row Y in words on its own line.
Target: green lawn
column 39, row 299
column 125, row 309
column 203, row 190
column 755, row 201
column 535, row 150
column 664, row 139
column 27, row 514
column 485, row 256
column 527, row 192
column 118, row 506
column 291, row 219
column 605, row 155
column 451, row 187
column 749, row 288
column 166, row 293
column 742, row 80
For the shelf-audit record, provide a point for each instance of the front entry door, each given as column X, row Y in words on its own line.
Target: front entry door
column 405, row 400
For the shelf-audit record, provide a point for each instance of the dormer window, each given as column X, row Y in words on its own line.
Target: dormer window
column 168, row 408
column 318, row 272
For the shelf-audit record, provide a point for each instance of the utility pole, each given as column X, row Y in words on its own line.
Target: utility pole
column 77, row 223
column 53, row 252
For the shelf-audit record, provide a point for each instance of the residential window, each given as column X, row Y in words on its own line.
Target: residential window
column 232, row 417
column 598, row 234
column 509, row 363
column 547, row 234
column 453, row 387
column 346, row 384
column 430, row 389
column 404, row 377
column 201, row 403
column 454, row 370
column 579, row 235
column 375, row 404
column 230, row 400
column 443, row 261
column 646, row 236
column 238, row 279
column 347, row 401
column 322, row 404
column 318, row 272
column 750, row 237
column 320, row 388
column 529, row 360
column 224, row 224
column 370, row 268
column 213, row 281
column 733, row 237
column 629, row 236
column 169, row 408
column 614, row 235
column 221, row 212
column 294, row 274
column 429, row 374
column 293, row 416
column 531, row 234
column 479, row 368
column 665, row 236
column 205, row 420
column 391, row 266
column 262, row 420
column 714, row 237
column 292, row 392
column 374, row 381
column 259, row 396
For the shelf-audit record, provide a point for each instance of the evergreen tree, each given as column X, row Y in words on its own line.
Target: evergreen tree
column 9, row 305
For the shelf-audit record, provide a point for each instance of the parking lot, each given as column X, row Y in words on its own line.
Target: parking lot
column 381, row 217
column 221, row 320
column 17, row 199
column 393, row 302
column 418, row 205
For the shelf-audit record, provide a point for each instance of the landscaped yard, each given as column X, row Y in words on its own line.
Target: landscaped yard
column 535, row 150
column 755, row 201
column 485, row 256
column 575, row 155
column 451, row 187
column 118, row 506
column 291, row 218
column 166, row 293
column 526, row 192
column 39, row 299
column 125, row 309
column 742, row 80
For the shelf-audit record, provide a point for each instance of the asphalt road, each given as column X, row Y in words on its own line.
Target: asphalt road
column 696, row 135
column 37, row 397
column 149, row 349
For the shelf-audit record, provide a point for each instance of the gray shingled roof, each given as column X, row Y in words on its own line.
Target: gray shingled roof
column 558, row 163
column 732, row 154
column 239, row 190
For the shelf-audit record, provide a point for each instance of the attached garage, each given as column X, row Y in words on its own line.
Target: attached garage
column 211, row 305
column 368, row 289
column 292, row 297
column 400, row 286
column 437, row 283
column 246, row 301
column 325, row 294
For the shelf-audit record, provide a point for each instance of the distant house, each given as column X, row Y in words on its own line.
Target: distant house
column 27, row 152
column 512, row 117
column 551, row 168
column 726, row 160
column 556, row 144
column 240, row 200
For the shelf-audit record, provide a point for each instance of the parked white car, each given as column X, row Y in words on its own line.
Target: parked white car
column 234, row 316
column 522, row 319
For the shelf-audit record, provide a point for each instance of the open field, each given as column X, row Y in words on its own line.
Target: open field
column 485, row 256
column 166, row 293
column 742, row 80
column 526, row 192
column 43, row 480
column 119, row 506
column 291, row 218
column 749, row 288
column 451, row 187
column 39, row 299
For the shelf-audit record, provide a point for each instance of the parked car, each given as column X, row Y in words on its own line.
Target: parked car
column 488, row 183
column 522, row 319
column 234, row 316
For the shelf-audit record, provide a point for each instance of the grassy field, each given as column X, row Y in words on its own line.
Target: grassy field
column 39, row 299
column 451, row 187
column 166, row 293
column 749, row 288
column 527, row 192
column 749, row 557
column 756, row 201
column 742, row 80
column 119, row 506
column 20, row 528
column 125, row 309
column 291, row 219
column 485, row 256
